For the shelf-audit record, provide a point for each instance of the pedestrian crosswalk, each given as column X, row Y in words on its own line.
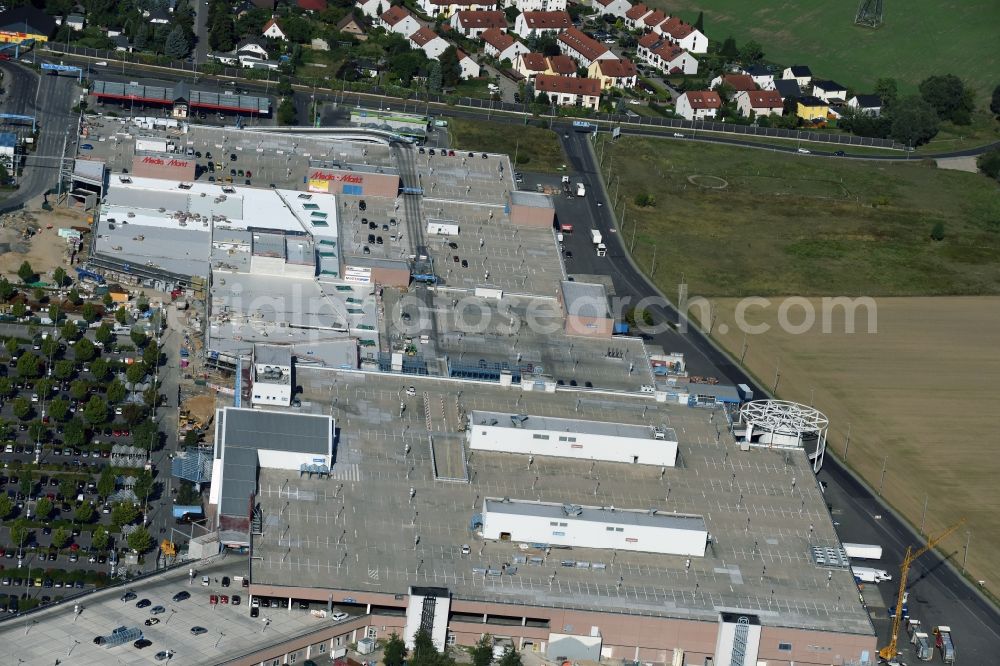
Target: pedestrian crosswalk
column 345, row 472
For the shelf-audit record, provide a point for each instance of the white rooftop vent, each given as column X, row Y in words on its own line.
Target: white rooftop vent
column 572, row 509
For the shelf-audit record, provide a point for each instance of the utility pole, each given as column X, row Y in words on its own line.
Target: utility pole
column 652, row 270
column 743, row 349
column 777, row 376
column 61, row 161
column 923, row 515
column 847, row 444
column 965, row 557
column 881, row 479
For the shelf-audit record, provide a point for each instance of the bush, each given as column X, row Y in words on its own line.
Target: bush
column 989, row 163
column 937, row 231
column 645, row 200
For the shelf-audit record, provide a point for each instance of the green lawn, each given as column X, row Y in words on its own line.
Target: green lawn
column 795, row 224
column 919, row 38
column 536, row 149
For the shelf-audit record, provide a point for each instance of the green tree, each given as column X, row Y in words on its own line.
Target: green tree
column 151, row 356
column 424, row 652
column 69, row 330
column 84, row 513
column 22, row 408
column 26, row 485
column 19, row 309
column 100, row 368
column 104, row 334
column 74, row 297
column 19, row 532
column 6, row 289
column 949, row 98
column 116, row 392
column 107, row 300
column 434, row 78
column 96, row 411
column 222, row 34
column 6, row 506
column 106, row 483
column 510, row 657
column 139, row 339
column 142, row 305
column 78, row 389
column 89, row 312
column 84, row 350
column 989, row 163
column 914, row 121
column 50, row 347
column 887, row 90
column 11, row 345
column 74, row 433
column 60, row 537
column 45, row 386
column 123, row 513
column 751, row 53
column 394, row 652
column 139, row 540
column 482, row 651
column 29, row 366
column 728, row 49
column 451, row 70
column 286, row 111
column 994, row 107
column 59, row 409
column 145, row 435
column 63, row 369
column 143, row 485
column 121, row 315
column 177, row 45
column 55, row 312
column 59, row 276
column 100, row 538
column 26, row 273
column 699, row 23
column 7, row 388
column 135, row 373
column 43, row 508
column 38, row 431
column 67, row 488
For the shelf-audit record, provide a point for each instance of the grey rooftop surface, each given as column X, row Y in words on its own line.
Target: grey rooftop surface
column 597, row 514
column 360, row 531
column 532, row 199
column 585, row 300
column 272, row 355
column 504, row 420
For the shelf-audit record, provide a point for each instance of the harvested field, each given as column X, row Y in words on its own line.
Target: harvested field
column 918, row 393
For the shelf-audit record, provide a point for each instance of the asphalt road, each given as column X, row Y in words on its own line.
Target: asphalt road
column 938, row 594
column 49, row 99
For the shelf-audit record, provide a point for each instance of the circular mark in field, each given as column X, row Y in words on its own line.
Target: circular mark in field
column 723, row 329
column 708, row 182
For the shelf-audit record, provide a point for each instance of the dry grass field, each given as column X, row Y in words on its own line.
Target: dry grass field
column 919, row 392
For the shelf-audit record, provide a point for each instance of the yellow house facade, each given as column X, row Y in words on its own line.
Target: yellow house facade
column 811, row 108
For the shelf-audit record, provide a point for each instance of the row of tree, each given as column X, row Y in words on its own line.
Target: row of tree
column 424, row 652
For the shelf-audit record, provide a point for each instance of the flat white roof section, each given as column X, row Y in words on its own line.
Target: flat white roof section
column 572, row 438
column 607, row 528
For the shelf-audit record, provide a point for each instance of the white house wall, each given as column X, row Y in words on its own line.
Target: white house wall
column 582, row 446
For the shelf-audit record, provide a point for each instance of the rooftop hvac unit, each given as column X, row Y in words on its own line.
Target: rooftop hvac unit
column 572, row 509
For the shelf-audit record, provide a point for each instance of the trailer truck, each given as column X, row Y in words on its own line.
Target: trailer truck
column 595, row 235
column 581, row 190
column 943, row 642
column 922, row 645
column 863, row 551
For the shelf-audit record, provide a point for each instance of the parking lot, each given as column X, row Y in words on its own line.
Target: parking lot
column 57, row 634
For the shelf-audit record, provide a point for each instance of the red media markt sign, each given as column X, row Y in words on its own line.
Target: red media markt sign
column 159, row 161
column 339, row 178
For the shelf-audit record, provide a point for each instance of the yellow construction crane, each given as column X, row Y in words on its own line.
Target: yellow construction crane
column 889, row 652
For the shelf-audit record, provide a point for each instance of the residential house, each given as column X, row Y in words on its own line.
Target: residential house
column 698, row 104
column 585, row 50
column 788, row 88
column 445, row 8
column 569, row 91
column 870, row 105
column 157, row 16
column 220, row 57
column 759, row 103
column 469, row 68
column 473, row 24
column 399, row 20
column 530, row 65
column 684, row 35
column 429, row 42
column 620, row 73
column 635, row 16
column 659, row 53
column 612, row 7
column 811, row 108
column 349, row 25
column 560, row 65
column 651, row 20
column 736, row 82
column 829, row 91
column 274, row 31
column 75, row 22
column 801, row 74
column 252, row 46
column 372, row 8
column 535, row 24
column 501, row 46
column 537, row 5
column 121, row 43
column 761, row 75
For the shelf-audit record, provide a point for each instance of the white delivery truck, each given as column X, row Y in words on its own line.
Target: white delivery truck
column 595, row 236
column 863, row 551
column 581, row 191
column 869, row 575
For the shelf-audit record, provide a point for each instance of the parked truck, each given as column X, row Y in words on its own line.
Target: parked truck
column 869, row 575
column 581, row 191
column 863, row 551
column 922, row 645
column 942, row 641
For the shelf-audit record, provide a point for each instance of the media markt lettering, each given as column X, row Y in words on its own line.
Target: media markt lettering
column 339, row 178
column 159, row 161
